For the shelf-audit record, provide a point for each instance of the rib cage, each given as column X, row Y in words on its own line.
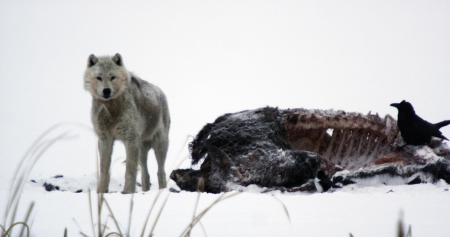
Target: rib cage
column 350, row 140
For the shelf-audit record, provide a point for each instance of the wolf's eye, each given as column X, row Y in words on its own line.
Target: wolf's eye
column 113, row 77
column 99, row 78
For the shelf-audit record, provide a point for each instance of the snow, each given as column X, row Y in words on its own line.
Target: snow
column 363, row 211
column 427, row 154
column 212, row 58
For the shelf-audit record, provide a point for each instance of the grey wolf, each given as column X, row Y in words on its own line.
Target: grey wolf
column 414, row 129
column 129, row 109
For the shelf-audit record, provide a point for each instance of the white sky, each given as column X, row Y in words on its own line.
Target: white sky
column 212, row 58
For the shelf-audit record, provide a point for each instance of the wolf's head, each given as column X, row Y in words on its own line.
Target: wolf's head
column 106, row 77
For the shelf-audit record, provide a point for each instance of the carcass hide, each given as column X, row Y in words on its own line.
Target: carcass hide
column 284, row 149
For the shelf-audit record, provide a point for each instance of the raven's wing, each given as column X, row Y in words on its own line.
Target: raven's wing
column 424, row 128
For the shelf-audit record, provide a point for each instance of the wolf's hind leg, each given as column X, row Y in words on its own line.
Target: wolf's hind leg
column 145, row 176
column 161, row 152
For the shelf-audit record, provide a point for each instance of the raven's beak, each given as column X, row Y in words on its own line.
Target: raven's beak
column 395, row 105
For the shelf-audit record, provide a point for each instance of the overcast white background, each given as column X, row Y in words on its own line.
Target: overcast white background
column 215, row 57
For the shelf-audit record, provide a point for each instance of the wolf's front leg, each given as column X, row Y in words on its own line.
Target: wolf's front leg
column 105, row 146
column 132, row 149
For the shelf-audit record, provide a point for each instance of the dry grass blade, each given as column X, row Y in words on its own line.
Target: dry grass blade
column 30, row 209
column 101, row 228
column 131, row 214
column 159, row 214
column 81, row 232
column 30, row 224
column 27, row 162
column 33, row 147
column 203, row 228
column 285, row 209
column 32, row 150
column 113, row 217
column 400, row 228
column 181, row 150
column 14, row 212
column 151, row 209
column 3, row 230
column 99, row 213
column 409, row 233
column 19, row 180
column 181, row 162
column 105, row 225
column 194, row 221
column 199, row 216
column 193, row 215
column 90, row 211
column 200, row 188
column 113, row 233
column 178, row 156
column 17, row 223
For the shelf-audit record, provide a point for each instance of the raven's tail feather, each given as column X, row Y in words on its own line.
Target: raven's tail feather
column 442, row 124
column 443, row 137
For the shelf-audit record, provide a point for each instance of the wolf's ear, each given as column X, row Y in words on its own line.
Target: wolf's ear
column 92, row 60
column 118, row 59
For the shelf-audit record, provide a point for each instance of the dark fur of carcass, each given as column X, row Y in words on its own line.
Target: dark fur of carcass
column 248, row 147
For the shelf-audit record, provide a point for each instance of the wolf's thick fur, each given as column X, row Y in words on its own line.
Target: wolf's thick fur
column 129, row 109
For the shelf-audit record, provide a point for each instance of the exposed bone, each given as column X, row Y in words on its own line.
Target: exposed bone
column 355, row 136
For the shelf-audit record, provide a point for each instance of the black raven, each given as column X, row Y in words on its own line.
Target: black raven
column 415, row 130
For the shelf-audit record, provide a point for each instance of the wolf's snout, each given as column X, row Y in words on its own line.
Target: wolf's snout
column 106, row 92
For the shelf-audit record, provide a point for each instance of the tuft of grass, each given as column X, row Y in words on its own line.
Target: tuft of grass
column 101, row 230
column 21, row 173
column 130, row 215
column 149, row 212
column 113, row 217
column 198, row 217
column 101, row 200
column 400, row 228
column 27, row 162
column 195, row 219
column 159, row 214
column 9, row 230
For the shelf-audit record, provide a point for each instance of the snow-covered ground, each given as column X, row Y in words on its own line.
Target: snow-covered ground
column 363, row 211
column 212, row 58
